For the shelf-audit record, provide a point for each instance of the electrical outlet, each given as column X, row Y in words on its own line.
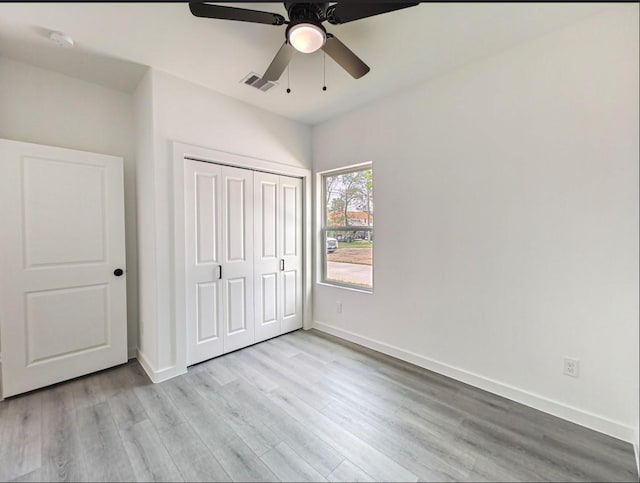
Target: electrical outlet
column 339, row 307
column 571, row 366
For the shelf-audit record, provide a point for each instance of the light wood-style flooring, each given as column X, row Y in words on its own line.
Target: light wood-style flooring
column 302, row 407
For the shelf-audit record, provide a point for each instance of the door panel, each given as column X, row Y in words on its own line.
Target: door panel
column 237, row 268
column 235, row 216
column 207, row 311
column 85, row 312
column 203, row 214
column 49, row 205
column 266, row 255
column 269, row 298
column 290, row 219
column 62, row 309
column 236, row 302
column 268, row 212
column 291, row 215
column 206, row 218
column 289, row 292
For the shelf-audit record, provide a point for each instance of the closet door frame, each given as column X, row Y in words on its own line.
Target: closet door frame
column 182, row 152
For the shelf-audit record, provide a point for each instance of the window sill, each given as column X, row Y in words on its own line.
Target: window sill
column 345, row 287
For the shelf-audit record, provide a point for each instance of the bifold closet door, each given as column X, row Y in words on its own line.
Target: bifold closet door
column 219, row 259
column 291, row 216
column 203, row 242
column 278, row 261
column 237, row 257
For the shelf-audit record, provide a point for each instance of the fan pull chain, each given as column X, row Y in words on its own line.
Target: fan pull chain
column 288, row 70
column 324, row 70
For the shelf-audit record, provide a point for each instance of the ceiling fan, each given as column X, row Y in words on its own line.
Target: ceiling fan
column 304, row 31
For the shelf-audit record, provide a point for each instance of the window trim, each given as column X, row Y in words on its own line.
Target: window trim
column 324, row 229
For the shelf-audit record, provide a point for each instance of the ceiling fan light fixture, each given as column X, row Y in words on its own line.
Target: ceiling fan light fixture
column 306, row 37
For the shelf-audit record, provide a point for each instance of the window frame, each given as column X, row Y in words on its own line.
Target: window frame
column 324, row 228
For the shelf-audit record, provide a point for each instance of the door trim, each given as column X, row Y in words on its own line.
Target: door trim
column 183, row 151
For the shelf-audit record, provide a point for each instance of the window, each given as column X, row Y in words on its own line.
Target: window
column 347, row 227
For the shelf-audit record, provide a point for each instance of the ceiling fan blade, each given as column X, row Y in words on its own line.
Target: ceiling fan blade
column 231, row 13
column 344, row 57
column 279, row 63
column 349, row 11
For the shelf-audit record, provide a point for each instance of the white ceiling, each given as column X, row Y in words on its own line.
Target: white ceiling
column 114, row 41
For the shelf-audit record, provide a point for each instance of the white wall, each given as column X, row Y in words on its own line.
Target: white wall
column 191, row 114
column 44, row 107
column 145, row 202
column 507, row 222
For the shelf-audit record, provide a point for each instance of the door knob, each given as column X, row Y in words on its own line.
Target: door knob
column 118, row 271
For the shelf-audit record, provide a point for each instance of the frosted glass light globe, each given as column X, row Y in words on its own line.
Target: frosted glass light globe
column 306, row 37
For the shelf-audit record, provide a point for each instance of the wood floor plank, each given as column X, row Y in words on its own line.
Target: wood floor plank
column 88, row 391
column 342, row 388
column 159, row 407
column 242, row 464
column 149, row 458
column 32, row 476
column 126, row 409
column 238, row 416
column 248, row 398
column 605, row 454
column 121, row 379
column 61, row 453
column 429, row 456
column 328, row 353
column 283, row 345
column 495, row 443
column 20, row 444
column 375, row 463
column 239, row 364
column 191, row 456
column 210, row 426
column 323, row 457
column 288, row 466
column 101, row 448
column 289, row 378
column 348, row 472
column 299, row 363
column 220, row 370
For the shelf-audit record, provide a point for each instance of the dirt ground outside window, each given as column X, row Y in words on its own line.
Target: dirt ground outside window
column 361, row 256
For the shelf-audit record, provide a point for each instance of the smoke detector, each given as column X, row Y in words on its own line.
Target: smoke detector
column 61, row 39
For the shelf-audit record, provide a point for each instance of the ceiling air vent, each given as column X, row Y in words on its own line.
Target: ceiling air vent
column 254, row 80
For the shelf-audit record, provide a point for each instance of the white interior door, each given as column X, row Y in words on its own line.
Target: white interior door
column 291, row 253
column 237, row 258
column 267, row 260
column 62, row 306
column 203, row 242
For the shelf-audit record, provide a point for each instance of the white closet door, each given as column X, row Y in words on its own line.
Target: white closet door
column 62, row 300
column 203, row 241
column 267, row 275
column 291, row 253
column 237, row 257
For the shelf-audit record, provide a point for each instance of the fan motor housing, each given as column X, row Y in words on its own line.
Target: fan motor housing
column 306, row 12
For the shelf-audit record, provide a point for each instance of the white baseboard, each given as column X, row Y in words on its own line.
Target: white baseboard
column 541, row 403
column 161, row 375
column 636, row 450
